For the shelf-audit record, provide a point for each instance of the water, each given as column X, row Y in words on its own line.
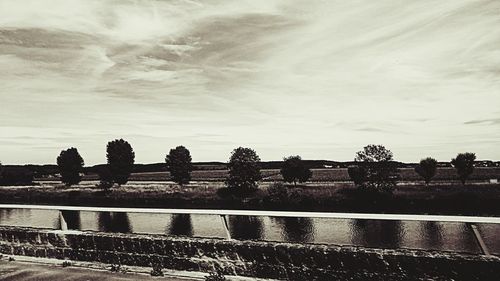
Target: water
column 445, row 236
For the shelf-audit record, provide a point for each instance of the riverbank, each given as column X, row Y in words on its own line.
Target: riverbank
column 49, row 270
column 445, row 199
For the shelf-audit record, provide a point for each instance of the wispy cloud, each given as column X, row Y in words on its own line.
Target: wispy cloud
column 494, row 121
column 285, row 77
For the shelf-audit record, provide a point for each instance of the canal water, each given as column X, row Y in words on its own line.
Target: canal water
column 445, row 236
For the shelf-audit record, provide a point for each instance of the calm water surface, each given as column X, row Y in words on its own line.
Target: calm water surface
column 368, row 233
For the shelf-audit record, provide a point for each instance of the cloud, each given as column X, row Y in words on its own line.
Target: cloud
column 494, row 121
column 285, row 77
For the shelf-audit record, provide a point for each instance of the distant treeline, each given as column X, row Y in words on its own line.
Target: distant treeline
column 52, row 169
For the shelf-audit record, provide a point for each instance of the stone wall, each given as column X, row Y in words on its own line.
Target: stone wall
column 248, row 258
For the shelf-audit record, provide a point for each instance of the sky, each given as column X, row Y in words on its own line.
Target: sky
column 320, row 79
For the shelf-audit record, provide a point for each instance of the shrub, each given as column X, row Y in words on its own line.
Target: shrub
column 157, row 270
column 118, row 268
column 179, row 165
column 121, row 158
column 427, row 169
column 357, row 174
column 277, row 193
column 70, row 165
column 215, row 276
column 464, row 163
column 244, row 170
column 377, row 168
column 294, row 170
column 105, row 178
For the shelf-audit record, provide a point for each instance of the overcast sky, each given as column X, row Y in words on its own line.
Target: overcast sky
column 320, row 79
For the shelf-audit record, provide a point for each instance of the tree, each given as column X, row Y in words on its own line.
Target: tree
column 464, row 163
column 294, row 170
column 377, row 171
column 121, row 158
column 70, row 165
column 179, row 165
column 357, row 174
column 105, row 178
column 427, row 169
column 244, row 170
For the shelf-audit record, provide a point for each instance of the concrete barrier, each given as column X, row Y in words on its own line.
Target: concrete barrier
column 248, row 258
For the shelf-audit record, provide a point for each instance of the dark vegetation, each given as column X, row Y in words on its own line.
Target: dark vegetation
column 375, row 170
column 294, row 170
column 464, row 163
column 215, row 276
column 241, row 184
column 179, row 165
column 121, row 159
column 15, row 175
column 49, row 170
column 421, row 199
column 244, row 170
column 70, row 165
column 427, row 169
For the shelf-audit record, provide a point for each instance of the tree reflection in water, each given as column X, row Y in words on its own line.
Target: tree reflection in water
column 245, row 227
column 72, row 219
column 432, row 233
column 377, row 233
column 5, row 214
column 114, row 222
column 296, row 229
column 181, row 225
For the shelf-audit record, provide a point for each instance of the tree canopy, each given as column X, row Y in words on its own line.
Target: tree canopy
column 464, row 164
column 121, row 159
column 376, row 169
column 70, row 165
column 244, row 169
column 294, row 170
column 179, row 164
column 427, row 169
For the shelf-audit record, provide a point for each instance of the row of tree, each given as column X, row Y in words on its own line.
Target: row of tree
column 375, row 168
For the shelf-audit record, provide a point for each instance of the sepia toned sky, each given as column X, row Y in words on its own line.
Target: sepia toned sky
column 316, row 78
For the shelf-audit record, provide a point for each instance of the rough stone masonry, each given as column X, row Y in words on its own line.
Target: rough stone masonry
column 248, row 258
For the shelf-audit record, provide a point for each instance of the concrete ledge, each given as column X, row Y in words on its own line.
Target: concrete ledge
column 247, row 258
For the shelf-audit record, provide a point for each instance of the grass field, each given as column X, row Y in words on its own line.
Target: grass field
column 328, row 190
column 456, row 199
column 319, row 175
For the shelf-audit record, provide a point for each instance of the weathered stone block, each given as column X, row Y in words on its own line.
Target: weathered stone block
column 29, row 250
column 158, row 247
column 185, row 264
column 126, row 259
column 223, row 249
column 169, row 248
column 6, row 249
column 41, row 253
column 56, row 239
column 55, row 253
column 264, row 270
column 33, row 237
column 43, row 238
column 108, row 257
column 143, row 260
column 18, row 250
column 146, row 245
column 103, row 243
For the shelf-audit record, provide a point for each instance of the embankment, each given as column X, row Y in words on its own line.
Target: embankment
column 248, row 258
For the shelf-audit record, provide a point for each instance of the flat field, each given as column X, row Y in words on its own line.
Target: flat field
column 443, row 198
column 443, row 175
